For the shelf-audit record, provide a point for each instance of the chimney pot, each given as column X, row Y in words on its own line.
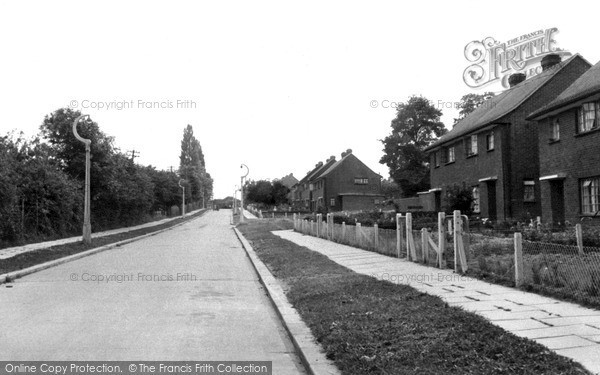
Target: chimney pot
column 348, row 151
column 343, row 154
column 549, row 61
column 516, row 78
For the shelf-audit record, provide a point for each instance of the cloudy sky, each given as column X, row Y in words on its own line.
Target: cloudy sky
column 276, row 85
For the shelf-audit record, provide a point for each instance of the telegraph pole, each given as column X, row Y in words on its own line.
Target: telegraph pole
column 134, row 154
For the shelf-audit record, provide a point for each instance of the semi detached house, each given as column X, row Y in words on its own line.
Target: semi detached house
column 494, row 151
column 338, row 185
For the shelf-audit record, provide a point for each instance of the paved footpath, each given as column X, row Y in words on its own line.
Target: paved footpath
column 568, row 329
column 189, row 293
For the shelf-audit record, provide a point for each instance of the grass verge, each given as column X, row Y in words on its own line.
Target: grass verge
column 369, row 326
column 35, row 257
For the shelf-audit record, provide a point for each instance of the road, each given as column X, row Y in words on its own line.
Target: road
column 185, row 294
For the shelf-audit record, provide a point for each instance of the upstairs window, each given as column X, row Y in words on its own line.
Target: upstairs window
column 471, row 145
column 436, row 159
column 361, row 181
column 589, row 115
column 555, row 131
column 529, row 190
column 448, row 155
column 332, row 202
column 590, row 195
column 489, row 141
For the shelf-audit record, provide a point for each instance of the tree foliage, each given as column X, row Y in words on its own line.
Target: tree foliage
column 416, row 126
column 192, row 168
column 458, row 198
column 266, row 193
column 469, row 102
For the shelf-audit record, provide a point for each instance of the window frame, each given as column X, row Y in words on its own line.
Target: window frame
column 447, row 154
column 593, row 194
column 555, row 130
column 582, row 121
column 331, row 202
column 528, row 184
column 471, row 145
column 490, row 145
column 361, row 180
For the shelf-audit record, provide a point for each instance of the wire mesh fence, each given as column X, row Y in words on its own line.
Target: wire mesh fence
column 562, row 270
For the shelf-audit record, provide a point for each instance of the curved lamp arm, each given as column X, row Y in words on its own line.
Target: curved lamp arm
column 247, row 170
column 80, row 138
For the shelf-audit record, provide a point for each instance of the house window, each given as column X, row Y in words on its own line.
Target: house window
column 529, row 191
column 332, row 202
column 555, row 131
column 590, row 195
column 448, row 155
column 589, row 115
column 471, row 145
column 489, row 141
column 436, row 158
column 361, row 181
column 476, row 200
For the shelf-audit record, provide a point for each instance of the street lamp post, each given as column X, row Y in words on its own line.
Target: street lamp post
column 87, row 226
column 182, row 197
column 242, row 192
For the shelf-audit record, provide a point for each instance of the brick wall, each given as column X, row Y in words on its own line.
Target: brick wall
column 341, row 180
column 577, row 156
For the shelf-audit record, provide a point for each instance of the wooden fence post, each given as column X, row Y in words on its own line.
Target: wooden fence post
column 344, row 232
column 399, row 239
column 459, row 251
column 441, row 239
column 579, row 235
column 518, row 259
column 411, row 251
column 358, row 234
column 376, row 234
column 424, row 245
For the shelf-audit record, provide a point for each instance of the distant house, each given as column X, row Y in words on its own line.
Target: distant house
column 289, row 181
column 343, row 185
column 569, row 144
column 494, row 150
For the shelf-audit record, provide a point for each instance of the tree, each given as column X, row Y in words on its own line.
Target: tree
column 416, row 126
column 458, row 198
column 469, row 102
column 192, row 167
column 265, row 192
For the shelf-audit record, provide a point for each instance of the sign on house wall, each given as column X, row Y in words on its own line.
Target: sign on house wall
column 493, row 61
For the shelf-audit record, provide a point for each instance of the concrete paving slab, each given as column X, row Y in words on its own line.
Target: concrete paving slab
column 519, row 324
column 577, row 330
column 588, row 356
column 565, row 342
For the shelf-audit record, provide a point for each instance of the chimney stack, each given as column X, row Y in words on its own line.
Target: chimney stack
column 515, row 79
column 549, row 61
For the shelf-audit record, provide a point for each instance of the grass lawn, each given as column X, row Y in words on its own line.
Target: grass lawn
column 369, row 326
column 32, row 258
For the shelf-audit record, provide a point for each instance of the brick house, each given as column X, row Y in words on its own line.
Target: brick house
column 569, row 144
column 302, row 192
column 343, row 185
column 494, row 150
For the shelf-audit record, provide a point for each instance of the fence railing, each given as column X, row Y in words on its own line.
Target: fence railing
column 428, row 245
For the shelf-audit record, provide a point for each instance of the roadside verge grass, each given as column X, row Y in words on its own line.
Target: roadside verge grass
column 32, row 258
column 369, row 326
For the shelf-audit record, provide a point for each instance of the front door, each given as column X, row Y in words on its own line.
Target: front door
column 491, row 194
column 557, row 201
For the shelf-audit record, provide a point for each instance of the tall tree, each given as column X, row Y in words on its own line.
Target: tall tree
column 469, row 102
column 192, row 167
column 416, row 126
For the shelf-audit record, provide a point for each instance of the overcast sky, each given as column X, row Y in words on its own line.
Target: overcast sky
column 276, row 85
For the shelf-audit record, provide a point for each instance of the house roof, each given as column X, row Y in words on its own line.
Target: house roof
column 339, row 162
column 316, row 172
column 495, row 108
column 289, row 180
column 587, row 84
